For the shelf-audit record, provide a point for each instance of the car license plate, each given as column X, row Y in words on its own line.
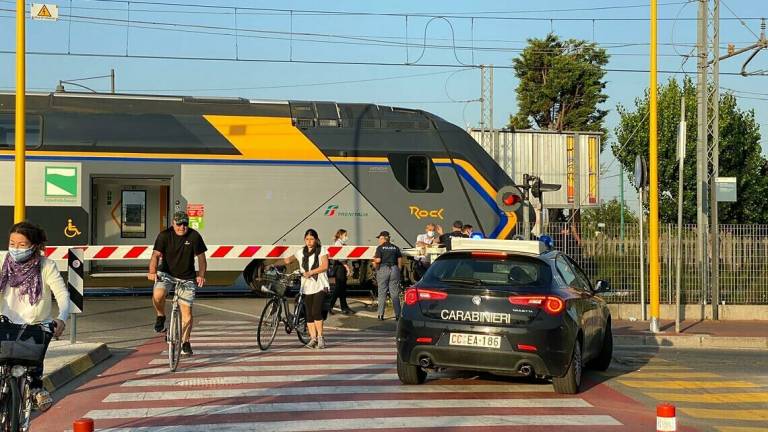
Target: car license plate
column 475, row 340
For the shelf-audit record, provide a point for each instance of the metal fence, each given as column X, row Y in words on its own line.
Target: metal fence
column 605, row 254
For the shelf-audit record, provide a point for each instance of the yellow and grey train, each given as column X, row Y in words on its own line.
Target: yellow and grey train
column 106, row 169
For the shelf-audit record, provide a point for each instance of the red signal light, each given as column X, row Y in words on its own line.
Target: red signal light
column 510, row 199
column 552, row 305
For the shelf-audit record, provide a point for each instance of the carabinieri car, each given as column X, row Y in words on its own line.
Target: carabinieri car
column 509, row 307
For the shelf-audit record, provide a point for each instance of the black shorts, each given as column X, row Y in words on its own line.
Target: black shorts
column 314, row 305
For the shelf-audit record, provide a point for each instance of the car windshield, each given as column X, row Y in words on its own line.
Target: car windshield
column 512, row 272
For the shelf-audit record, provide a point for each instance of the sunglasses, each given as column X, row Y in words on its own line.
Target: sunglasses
column 184, row 224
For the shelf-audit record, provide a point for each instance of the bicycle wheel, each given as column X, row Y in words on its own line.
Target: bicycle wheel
column 301, row 323
column 25, row 410
column 270, row 320
column 14, row 405
column 174, row 340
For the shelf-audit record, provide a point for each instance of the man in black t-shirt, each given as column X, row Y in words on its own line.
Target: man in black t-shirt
column 445, row 239
column 176, row 249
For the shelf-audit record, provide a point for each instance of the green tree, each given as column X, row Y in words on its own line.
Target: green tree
column 561, row 85
column 608, row 213
column 739, row 153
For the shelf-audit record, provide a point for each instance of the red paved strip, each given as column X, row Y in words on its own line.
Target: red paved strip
column 354, row 415
column 221, row 251
column 135, row 251
column 105, row 252
column 249, row 251
column 277, row 251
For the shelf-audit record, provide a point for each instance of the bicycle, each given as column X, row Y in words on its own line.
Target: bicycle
column 278, row 311
column 173, row 334
column 15, row 381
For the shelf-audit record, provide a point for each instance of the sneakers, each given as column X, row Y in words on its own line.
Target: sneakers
column 186, row 348
column 42, row 399
column 160, row 324
column 312, row 344
column 321, row 343
column 348, row 311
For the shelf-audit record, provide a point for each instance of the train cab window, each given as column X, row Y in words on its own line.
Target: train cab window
column 8, row 131
column 418, row 173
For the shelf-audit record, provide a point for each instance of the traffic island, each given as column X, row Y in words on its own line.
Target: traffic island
column 65, row 362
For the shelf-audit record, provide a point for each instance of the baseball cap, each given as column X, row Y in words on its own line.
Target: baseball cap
column 383, row 234
column 180, row 217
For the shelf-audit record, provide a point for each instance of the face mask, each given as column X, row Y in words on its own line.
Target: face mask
column 21, row 255
column 344, row 239
column 431, row 233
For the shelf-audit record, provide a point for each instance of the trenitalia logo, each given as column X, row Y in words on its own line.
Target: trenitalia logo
column 421, row 213
column 331, row 210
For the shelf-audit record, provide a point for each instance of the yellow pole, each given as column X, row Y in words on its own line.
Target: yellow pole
column 20, row 178
column 653, row 237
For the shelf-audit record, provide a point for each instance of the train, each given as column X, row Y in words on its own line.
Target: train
column 110, row 169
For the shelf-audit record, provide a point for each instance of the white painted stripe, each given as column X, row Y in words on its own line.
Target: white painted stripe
column 233, row 359
column 255, row 379
column 252, row 337
column 251, row 331
column 202, row 349
column 243, row 368
column 390, row 422
column 204, row 410
column 296, row 344
column 222, row 322
column 321, row 390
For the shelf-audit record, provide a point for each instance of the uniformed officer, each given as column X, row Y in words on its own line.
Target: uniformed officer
column 388, row 261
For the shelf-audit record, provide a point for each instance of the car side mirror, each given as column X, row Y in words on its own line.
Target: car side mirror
column 602, row 286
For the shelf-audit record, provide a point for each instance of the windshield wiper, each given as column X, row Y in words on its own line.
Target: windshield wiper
column 463, row 280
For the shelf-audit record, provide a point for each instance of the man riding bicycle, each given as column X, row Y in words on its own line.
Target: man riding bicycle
column 178, row 246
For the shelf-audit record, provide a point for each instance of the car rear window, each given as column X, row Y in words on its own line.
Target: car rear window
column 515, row 272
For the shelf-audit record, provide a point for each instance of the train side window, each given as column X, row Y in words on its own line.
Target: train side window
column 8, row 131
column 418, row 173
column 415, row 172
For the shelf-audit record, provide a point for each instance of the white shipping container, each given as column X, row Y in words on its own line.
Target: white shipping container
column 570, row 159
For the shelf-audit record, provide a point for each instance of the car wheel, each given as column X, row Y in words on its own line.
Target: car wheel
column 570, row 383
column 410, row 374
column 603, row 360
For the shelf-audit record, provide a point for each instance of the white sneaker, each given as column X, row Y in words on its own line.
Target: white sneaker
column 312, row 344
column 321, row 343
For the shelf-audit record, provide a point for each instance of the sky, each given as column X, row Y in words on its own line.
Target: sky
column 412, row 54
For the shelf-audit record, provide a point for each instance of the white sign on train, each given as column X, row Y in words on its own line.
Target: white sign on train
column 46, row 12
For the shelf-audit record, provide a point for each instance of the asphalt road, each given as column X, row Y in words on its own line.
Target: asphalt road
column 718, row 390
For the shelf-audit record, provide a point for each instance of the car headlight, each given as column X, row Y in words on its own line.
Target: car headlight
column 18, row 371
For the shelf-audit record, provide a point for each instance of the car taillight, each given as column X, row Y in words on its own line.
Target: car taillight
column 414, row 295
column 552, row 305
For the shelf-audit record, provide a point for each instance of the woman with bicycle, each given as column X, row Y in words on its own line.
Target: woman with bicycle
column 27, row 280
column 313, row 263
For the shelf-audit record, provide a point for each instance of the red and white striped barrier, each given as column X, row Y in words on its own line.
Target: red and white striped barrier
column 214, row 252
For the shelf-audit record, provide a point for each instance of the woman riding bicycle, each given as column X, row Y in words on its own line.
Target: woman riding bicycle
column 27, row 280
column 313, row 263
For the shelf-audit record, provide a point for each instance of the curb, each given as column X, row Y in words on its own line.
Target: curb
column 692, row 341
column 72, row 370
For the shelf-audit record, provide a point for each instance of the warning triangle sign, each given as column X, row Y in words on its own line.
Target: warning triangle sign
column 44, row 13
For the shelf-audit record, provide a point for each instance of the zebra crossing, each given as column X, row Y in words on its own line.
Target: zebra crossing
column 352, row 385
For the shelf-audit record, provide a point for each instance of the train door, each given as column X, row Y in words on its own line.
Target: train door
column 127, row 211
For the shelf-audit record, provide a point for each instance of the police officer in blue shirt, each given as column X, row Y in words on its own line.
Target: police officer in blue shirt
column 388, row 260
